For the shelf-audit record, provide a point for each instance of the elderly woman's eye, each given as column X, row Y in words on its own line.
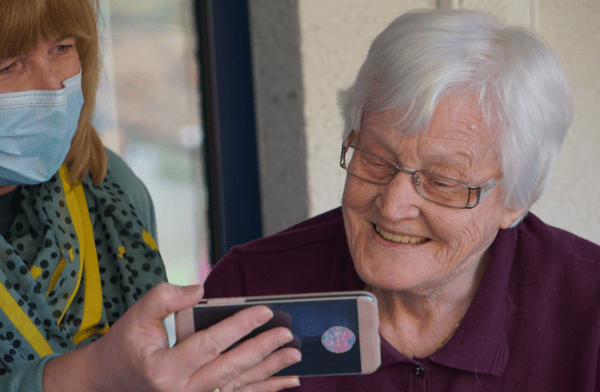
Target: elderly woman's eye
column 379, row 167
column 440, row 182
column 443, row 184
column 373, row 161
column 377, row 163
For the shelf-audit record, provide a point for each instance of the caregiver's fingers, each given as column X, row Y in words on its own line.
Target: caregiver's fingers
column 255, row 354
column 258, row 377
column 271, row 385
column 204, row 346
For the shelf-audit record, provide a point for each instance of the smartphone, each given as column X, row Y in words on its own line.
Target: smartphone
column 337, row 333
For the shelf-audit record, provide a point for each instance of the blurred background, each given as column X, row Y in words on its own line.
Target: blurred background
column 149, row 113
column 226, row 109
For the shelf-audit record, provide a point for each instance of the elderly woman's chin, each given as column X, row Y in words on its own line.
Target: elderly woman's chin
column 383, row 258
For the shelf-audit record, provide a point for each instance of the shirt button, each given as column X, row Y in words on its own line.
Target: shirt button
column 419, row 371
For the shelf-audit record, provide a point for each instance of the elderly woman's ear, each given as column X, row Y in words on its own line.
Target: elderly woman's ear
column 510, row 217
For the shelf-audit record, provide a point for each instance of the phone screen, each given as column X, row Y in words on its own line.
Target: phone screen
column 325, row 332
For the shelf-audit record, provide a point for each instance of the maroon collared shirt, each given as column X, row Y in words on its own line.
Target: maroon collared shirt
column 534, row 324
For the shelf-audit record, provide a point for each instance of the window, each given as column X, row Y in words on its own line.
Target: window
column 148, row 113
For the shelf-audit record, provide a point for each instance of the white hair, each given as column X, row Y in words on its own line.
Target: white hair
column 424, row 55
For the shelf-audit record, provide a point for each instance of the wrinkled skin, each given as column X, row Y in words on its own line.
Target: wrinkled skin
column 423, row 282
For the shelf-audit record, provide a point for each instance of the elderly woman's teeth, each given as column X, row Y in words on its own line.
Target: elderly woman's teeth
column 403, row 239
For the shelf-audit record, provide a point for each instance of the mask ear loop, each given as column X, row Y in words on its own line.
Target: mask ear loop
column 74, row 81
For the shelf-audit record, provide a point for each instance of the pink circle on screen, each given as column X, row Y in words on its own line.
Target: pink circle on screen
column 338, row 340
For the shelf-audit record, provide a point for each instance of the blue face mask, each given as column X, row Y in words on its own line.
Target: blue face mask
column 36, row 130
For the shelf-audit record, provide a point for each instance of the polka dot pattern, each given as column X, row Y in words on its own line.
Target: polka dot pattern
column 42, row 240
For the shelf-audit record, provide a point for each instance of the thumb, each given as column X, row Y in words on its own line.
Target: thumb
column 166, row 298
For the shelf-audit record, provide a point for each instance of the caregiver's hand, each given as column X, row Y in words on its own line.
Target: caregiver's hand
column 135, row 354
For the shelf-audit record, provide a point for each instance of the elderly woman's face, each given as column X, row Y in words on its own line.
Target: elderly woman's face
column 400, row 241
column 44, row 68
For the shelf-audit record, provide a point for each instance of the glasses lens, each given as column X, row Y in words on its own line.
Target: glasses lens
column 442, row 190
column 369, row 167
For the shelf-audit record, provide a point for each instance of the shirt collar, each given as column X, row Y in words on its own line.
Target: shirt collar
column 480, row 343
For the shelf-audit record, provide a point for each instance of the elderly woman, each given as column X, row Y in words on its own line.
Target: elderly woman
column 79, row 309
column 453, row 125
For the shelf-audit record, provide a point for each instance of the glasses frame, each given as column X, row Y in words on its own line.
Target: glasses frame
column 481, row 191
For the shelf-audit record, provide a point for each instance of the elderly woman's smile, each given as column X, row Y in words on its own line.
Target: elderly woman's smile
column 401, row 241
column 399, row 238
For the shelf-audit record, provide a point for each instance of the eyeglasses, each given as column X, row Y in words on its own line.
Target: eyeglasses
column 437, row 189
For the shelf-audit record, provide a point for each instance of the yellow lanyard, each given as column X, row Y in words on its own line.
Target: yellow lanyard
column 88, row 269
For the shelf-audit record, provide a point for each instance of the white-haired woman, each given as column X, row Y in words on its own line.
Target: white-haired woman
column 453, row 125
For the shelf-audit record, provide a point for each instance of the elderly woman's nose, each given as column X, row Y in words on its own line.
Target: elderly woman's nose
column 399, row 199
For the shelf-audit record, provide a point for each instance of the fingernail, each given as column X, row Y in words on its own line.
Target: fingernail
column 286, row 338
column 264, row 316
column 191, row 290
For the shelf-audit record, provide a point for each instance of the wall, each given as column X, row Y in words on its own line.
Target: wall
column 279, row 112
column 572, row 200
column 336, row 36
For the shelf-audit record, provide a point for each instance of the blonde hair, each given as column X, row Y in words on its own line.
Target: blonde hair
column 22, row 23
